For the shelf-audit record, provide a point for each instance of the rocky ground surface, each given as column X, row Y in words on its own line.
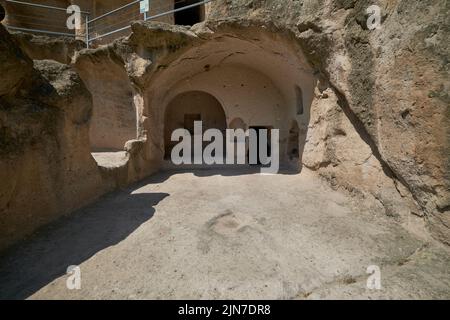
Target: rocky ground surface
column 226, row 234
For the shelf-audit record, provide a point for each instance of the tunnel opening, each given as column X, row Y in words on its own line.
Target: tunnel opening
column 190, row 16
column 2, row 13
column 114, row 117
column 187, row 108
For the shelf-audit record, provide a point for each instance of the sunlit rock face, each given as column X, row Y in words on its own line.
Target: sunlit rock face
column 365, row 109
column 392, row 82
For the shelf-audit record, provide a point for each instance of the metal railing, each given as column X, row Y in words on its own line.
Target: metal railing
column 100, row 28
column 34, row 18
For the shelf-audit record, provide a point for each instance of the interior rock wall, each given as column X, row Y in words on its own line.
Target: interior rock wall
column 235, row 64
column 46, row 166
column 234, row 61
column 114, row 119
column 339, row 154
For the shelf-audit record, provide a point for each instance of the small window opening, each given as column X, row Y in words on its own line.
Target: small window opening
column 191, row 16
column 299, row 95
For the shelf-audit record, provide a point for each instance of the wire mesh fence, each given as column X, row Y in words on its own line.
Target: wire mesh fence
column 100, row 24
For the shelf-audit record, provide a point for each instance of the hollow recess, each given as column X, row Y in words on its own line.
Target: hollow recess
column 2, row 13
column 191, row 16
column 252, row 74
column 114, row 117
column 188, row 107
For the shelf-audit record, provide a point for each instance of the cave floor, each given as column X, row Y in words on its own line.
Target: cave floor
column 219, row 234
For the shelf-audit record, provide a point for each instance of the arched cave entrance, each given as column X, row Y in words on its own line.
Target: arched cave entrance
column 191, row 16
column 188, row 107
column 293, row 143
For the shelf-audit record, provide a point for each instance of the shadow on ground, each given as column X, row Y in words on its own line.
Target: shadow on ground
column 45, row 256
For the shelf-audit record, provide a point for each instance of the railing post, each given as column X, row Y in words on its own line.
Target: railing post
column 87, row 31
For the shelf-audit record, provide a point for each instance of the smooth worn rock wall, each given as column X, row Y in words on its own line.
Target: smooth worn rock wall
column 39, row 47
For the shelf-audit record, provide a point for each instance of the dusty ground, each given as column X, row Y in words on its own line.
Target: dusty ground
column 225, row 234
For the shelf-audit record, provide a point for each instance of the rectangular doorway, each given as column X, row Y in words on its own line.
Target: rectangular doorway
column 189, row 120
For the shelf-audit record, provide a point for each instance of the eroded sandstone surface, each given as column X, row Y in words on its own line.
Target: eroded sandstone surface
column 392, row 83
column 157, row 240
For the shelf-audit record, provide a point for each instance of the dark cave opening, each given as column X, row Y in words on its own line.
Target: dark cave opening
column 190, row 16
